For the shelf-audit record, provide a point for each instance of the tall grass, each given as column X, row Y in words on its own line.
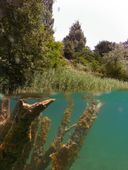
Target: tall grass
column 69, row 79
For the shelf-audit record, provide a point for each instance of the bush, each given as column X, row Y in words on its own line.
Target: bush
column 115, row 63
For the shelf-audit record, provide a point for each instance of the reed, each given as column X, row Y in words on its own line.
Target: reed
column 70, row 80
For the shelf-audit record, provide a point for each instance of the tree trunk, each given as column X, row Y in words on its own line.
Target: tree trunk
column 14, row 133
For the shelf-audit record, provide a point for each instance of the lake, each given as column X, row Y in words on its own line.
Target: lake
column 106, row 145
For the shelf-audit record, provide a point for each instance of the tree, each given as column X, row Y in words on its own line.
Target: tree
column 47, row 15
column 75, row 41
column 26, row 41
column 21, row 41
column 116, row 62
column 104, row 47
column 125, row 43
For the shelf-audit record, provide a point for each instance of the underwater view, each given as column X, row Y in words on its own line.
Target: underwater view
column 106, row 144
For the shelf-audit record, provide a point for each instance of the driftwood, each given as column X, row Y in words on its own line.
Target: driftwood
column 23, row 137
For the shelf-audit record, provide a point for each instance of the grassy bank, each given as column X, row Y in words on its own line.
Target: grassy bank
column 69, row 79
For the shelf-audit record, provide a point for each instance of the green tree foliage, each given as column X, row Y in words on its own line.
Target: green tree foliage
column 125, row 43
column 104, row 47
column 89, row 59
column 47, row 15
column 26, row 41
column 75, row 41
column 53, row 56
column 116, row 62
column 21, row 41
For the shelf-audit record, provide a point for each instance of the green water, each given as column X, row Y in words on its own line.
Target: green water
column 106, row 146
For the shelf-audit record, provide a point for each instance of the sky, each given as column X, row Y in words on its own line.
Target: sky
column 99, row 19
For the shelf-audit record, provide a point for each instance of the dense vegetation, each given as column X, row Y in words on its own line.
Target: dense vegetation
column 32, row 61
column 26, row 42
column 69, row 79
column 28, row 50
column 108, row 59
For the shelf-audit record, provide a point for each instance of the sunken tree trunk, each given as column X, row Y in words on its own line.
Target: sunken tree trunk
column 15, row 132
column 23, row 136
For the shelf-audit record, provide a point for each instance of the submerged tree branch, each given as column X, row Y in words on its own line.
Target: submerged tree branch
column 23, row 136
column 64, row 157
column 18, row 134
column 46, row 159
